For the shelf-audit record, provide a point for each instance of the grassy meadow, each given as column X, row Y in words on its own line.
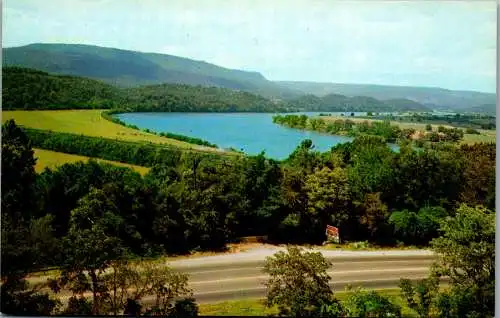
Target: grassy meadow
column 52, row 159
column 89, row 123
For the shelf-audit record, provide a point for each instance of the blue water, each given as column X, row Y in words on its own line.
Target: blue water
column 249, row 132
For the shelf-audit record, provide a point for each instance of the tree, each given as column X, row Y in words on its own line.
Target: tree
column 328, row 199
column 420, row 296
column 27, row 241
column 298, row 283
column 466, row 255
column 361, row 303
column 428, row 127
column 371, row 168
column 374, row 214
column 128, row 283
column 417, row 228
column 466, row 252
column 91, row 245
column 18, row 175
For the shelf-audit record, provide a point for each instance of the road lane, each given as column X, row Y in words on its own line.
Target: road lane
column 236, row 276
column 256, row 269
column 249, row 282
column 223, row 278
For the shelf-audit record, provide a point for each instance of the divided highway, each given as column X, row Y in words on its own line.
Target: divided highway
column 234, row 276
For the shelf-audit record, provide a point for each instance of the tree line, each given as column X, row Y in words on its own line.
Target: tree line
column 391, row 133
column 141, row 154
column 193, row 202
column 28, row 89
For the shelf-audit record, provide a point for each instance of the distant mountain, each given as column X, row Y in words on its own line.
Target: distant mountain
column 124, row 68
column 336, row 102
column 490, row 109
column 132, row 69
column 436, row 98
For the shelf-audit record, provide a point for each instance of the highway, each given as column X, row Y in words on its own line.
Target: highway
column 239, row 275
column 234, row 276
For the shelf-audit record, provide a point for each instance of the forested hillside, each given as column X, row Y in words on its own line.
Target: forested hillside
column 340, row 103
column 430, row 96
column 30, row 89
column 131, row 69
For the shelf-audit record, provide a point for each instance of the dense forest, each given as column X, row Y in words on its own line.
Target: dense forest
column 364, row 196
column 31, row 89
column 390, row 133
column 191, row 202
column 27, row 89
column 341, row 103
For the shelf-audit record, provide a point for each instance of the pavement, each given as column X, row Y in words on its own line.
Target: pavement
column 235, row 276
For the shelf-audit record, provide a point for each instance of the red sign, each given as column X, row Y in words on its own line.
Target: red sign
column 332, row 233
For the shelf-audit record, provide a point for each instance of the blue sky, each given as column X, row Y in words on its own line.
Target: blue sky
column 449, row 44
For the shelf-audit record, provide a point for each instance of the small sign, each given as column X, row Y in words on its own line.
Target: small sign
column 332, row 234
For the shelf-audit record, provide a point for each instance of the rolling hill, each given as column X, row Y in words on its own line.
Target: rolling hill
column 336, row 102
column 435, row 98
column 131, row 69
column 28, row 89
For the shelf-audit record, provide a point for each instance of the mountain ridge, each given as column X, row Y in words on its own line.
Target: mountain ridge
column 127, row 68
column 434, row 97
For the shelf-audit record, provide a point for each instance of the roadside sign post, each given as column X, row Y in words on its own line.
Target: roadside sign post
column 332, row 234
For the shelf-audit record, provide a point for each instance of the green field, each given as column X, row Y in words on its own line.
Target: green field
column 90, row 123
column 257, row 307
column 52, row 159
column 485, row 136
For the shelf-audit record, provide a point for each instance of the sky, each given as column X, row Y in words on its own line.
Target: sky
column 448, row 44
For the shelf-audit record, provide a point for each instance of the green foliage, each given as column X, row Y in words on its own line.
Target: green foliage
column 141, row 154
column 132, row 68
column 18, row 174
column 428, row 127
column 343, row 127
column 18, row 299
column 472, row 131
column 328, row 198
column 30, row 89
column 467, row 256
column 298, row 283
column 370, row 167
column 339, row 103
column 373, row 215
column 360, row 303
column 417, row 228
column 420, row 295
column 27, row 243
column 78, row 306
column 479, row 174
